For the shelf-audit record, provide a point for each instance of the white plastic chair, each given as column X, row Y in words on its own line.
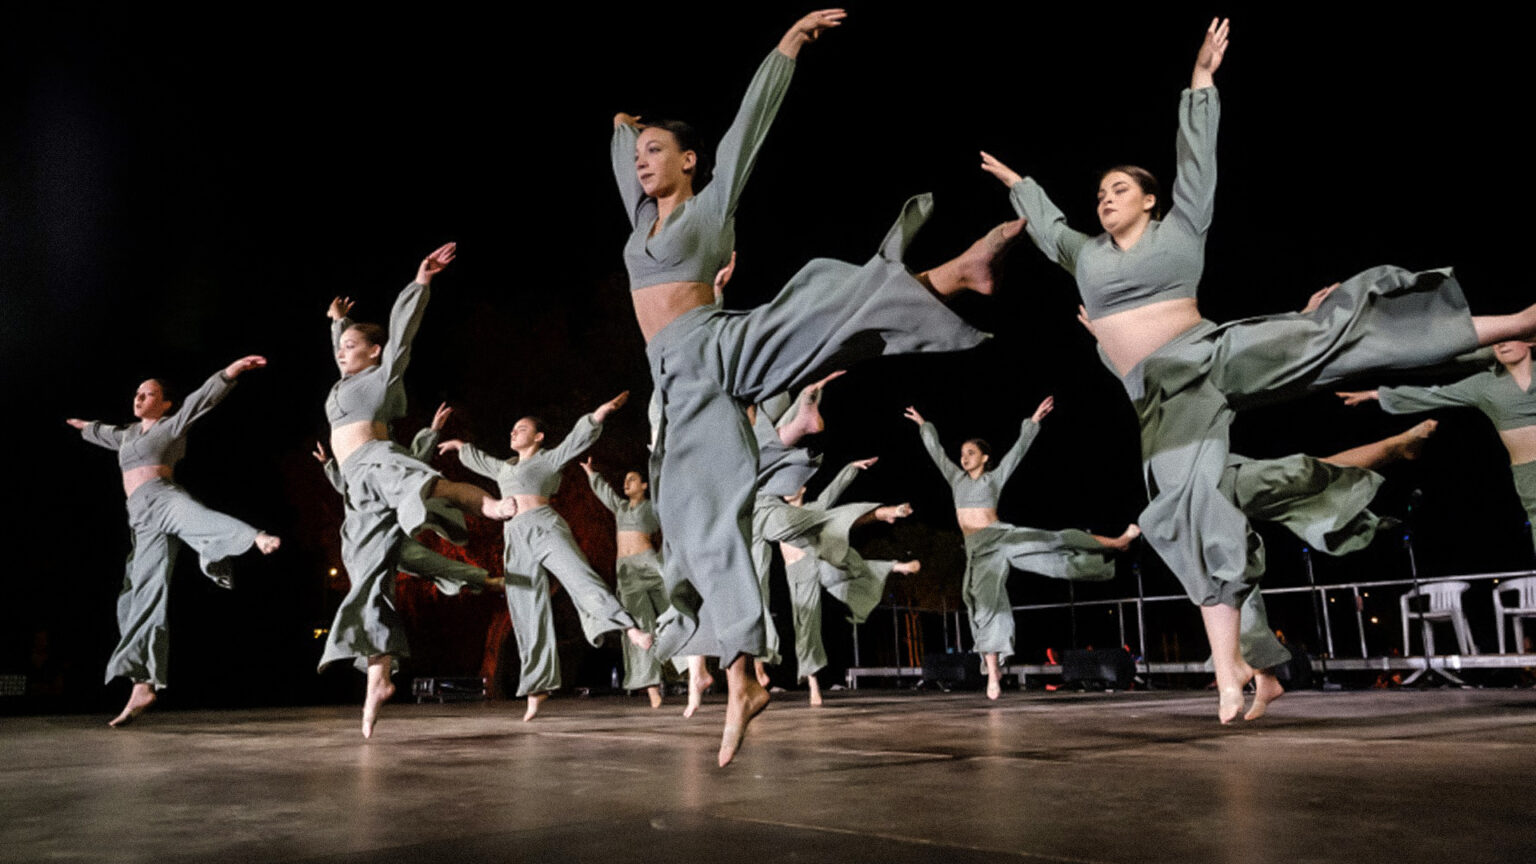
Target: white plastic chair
column 1525, row 607
column 1444, row 599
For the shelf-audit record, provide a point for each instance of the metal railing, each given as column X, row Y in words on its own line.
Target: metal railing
column 952, row 629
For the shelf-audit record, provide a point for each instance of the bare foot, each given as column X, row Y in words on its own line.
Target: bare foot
column 1266, row 689
column 807, row 419
column 747, row 702
column 891, row 512
column 501, row 510
column 1231, row 694
column 815, row 686
column 655, row 694
column 496, row 583
column 639, row 638
column 698, row 682
column 906, row 566
column 973, row 270
column 762, row 674
column 267, row 543
column 1414, row 440
column 1124, row 541
column 380, row 689
column 994, row 688
column 142, row 697
column 534, row 701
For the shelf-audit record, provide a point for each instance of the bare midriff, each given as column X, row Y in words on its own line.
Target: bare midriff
column 1521, row 444
column 346, row 439
column 528, row 503
column 658, row 305
column 133, row 478
column 634, row 543
column 973, row 519
column 1129, row 337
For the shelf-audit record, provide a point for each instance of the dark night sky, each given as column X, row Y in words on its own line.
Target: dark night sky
column 170, row 202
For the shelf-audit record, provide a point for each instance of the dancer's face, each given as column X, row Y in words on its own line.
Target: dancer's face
column 634, row 485
column 525, row 435
column 662, row 167
column 971, row 458
column 1122, row 201
column 1512, row 351
column 356, row 352
column 149, row 402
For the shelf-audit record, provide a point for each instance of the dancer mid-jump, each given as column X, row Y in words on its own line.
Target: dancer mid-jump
column 159, row 510
column 538, row 544
column 706, row 361
column 390, row 494
column 1186, row 376
column 637, row 571
column 993, row 547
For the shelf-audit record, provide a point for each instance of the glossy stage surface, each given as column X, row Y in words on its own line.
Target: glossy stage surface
column 1401, row 776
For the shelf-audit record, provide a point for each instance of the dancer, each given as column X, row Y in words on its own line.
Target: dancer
column 705, row 361
column 857, row 582
column 450, row 575
column 993, row 547
column 158, row 510
column 1502, row 392
column 390, row 495
column 1186, row 376
column 538, row 544
column 637, row 571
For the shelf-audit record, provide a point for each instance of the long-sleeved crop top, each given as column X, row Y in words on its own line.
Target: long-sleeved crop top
column 165, row 442
column 378, row 392
column 1166, row 263
column 985, row 490
column 539, row 474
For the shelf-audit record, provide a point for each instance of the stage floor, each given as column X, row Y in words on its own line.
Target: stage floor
column 1401, row 776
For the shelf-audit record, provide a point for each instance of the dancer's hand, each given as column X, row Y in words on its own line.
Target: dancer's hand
column 341, row 307
column 997, row 169
column 433, row 264
column 812, row 392
column 440, row 417
column 319, row 453
column 1318, row 297
column 609, row 407
column 1083, row 319
column 586, row 465
column 808, row 29
column 724, row 276
column 865, row 464
column 1358, row 397
column 1211, row 51
column 244, row 364
column 1046, row 406
column 911, row 414
column 77, row 424
column 622, row 119
column 452, row 445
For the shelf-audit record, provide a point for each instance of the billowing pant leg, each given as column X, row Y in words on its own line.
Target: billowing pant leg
column 762, row 563
column 805, row 599
column 860, row 585
column 215, row 537
column 143, row 646
column 367, row 623
column 528, row 604
column 450, row 575
column 642, row 595
column 558, row 553
column 985, row 592
column 1185, row 393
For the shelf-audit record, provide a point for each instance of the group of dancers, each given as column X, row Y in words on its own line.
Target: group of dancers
column 736, row 396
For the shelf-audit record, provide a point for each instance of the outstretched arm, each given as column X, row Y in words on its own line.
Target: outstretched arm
column 473, row 457
column 100, row 434
column 405, row 317
column 213, row 391
column 809, row 29
column 604, row 492
column 935, row 448
column 1044, row 221
column 1027, row 433
column 842, row 481
column 1194, row 184
column 1466, row 393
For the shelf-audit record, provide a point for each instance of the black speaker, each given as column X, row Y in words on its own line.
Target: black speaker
column 1113, row 669
column 951, row 671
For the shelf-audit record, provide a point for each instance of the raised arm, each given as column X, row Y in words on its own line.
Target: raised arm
column 841, row 482
column 930, row 435
column 340, row 308
column 1027, row 432
column 424, row 445
column 405, row 317
column 1194, row 183
column 1044, row 221
column 738, row 147
column 621, row 150
column 604, row 492
column 201, row 401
